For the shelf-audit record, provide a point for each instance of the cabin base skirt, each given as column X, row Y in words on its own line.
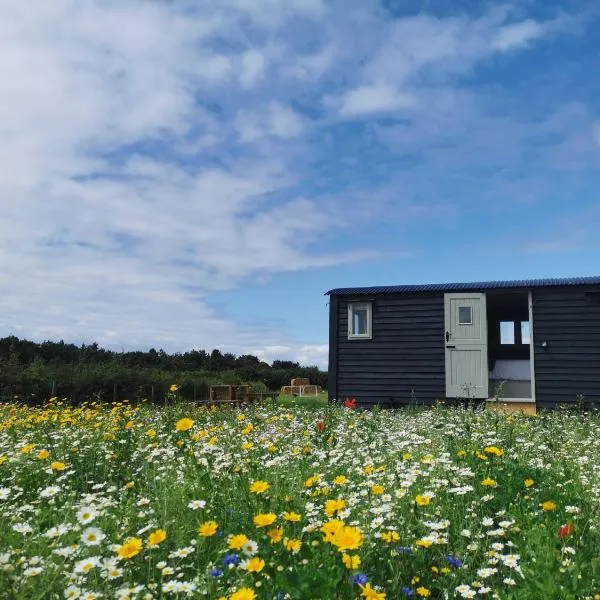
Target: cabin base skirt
column 515, row 406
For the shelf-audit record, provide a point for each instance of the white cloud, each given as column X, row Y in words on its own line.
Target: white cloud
column 279, row 121
column 516, row 35
column 375, row 98
column 308, row 354
column 253, row 66
column 285, row 122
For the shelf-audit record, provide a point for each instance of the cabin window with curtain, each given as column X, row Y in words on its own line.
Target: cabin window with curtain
column 359, row 320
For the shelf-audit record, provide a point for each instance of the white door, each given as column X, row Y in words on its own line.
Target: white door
column 466, row 346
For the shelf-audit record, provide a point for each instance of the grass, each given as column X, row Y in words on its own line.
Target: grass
column 297, row 502
column 319, row 401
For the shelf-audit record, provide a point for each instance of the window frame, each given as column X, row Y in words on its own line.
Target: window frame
column 368, row 335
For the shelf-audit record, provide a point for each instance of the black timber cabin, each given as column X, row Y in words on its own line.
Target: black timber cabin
column 530, row 341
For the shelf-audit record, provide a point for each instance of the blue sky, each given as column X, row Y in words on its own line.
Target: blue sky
column 202, row 179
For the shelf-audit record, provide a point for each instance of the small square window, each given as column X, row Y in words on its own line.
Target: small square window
column 359, row 320
column 465, row 315
column 507, row 333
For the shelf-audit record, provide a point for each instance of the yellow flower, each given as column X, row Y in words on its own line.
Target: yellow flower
column 331, row 528
column 255, row 565
column 259, row 487
column 208, row 529
column 414, row 580
column 422, row 500
column 549, row 506
column 294, row 517
column 156, row 537
column 390, row 536
column 275, row 534
column 406, row 456
column 129, row 425
column 243, row 594
column 237, row 541
column 340, row 480
column 347, row 538
column 351, row 561
column 489, row 482
column 58, row 466
column 292, row 545
column 184, row 424
column 247, row 445
column 311, row 481
column 334, row 506
column 27, row 448
column 173, row 387
column 493, row 450
column 151, row 433
column 43, row 454
column 368, row 469
column 461, row 453
column 423, row 592
column 424, row 543
column 377, row 490
column 481, row 456
column 265, row 519
column 130, row 548
column 528, row 483
column 366, row 591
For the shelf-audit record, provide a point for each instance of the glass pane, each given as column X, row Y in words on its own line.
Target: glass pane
column 507, row 332
column 525, row 337
column 359, row 321
column 465, row 315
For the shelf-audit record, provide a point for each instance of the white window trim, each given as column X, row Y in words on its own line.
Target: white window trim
column 361, row 336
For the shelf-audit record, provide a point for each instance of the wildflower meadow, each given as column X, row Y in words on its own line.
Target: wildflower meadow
column 272, row 502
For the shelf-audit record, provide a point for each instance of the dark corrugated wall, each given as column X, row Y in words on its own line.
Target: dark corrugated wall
column 568, row 319
column 404, row 361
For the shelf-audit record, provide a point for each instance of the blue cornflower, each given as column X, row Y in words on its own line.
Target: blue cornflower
column 408, row 592
column 404, row 549
column 231, row 559
column 216, row 572
column 360, row 579
column 454, row 562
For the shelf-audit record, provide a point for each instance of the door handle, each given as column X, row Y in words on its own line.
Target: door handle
column 451, row 346
column 447, row 336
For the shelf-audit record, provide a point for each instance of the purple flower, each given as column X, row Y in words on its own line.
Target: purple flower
column 359, row 579
column 216, row 572
column 231, row 559
column 454, row 562
column 408, row 592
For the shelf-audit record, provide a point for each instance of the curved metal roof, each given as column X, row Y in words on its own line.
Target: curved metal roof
column 467, row 286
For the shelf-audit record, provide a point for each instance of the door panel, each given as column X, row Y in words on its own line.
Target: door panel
column 466, row 346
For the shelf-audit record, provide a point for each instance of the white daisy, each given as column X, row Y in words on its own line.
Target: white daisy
column 250, row 548
column 92, row 536
column 86, row 514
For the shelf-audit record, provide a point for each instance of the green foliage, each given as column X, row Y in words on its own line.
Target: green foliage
column 35, row 371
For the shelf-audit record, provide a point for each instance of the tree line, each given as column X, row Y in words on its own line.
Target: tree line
column 35, row 371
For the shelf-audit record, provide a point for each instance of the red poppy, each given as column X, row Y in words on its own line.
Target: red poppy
column 350, row 402
column 320, row 426
column 565, row 531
